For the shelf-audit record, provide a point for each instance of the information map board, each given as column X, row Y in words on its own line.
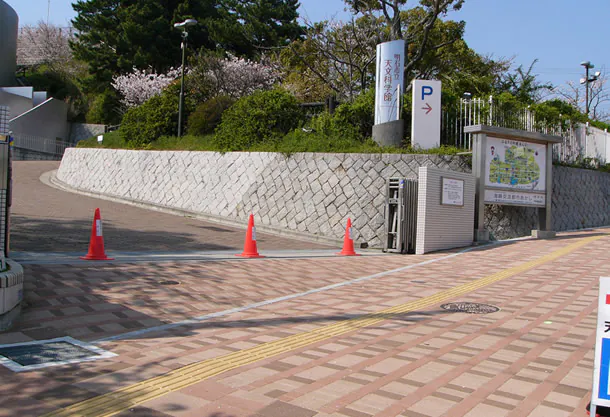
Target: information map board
column 515, row 172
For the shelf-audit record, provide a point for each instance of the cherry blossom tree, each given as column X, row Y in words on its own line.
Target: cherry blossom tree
column 235, row 77
column 45, row 44
column 140, row 85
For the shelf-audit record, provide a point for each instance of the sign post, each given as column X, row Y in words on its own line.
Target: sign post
column 426, row 114
column 600, row 395
column 388, row 129
column 513, row 168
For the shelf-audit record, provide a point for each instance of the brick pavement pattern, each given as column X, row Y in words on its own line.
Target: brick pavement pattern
column 532, row 358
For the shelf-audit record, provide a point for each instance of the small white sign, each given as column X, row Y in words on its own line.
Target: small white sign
column 98, row 228
column 453, row 192
column 100, row 138
column 254, row 233
column 513, row 197
column 601, row 369
column 426, row 114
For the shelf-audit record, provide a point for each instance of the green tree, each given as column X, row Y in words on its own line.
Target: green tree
column 248, row 28
column 114, row 36
column 524, row 85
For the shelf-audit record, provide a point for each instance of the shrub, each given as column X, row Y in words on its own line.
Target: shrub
column 207, row 115
column 157, row 117
column 265, row 116
column 360, row 113
column 104, row 109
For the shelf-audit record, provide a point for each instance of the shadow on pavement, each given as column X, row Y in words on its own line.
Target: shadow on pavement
column 50, row 235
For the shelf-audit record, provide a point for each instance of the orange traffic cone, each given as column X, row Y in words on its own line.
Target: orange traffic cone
column 348, row 241
column 250, row 243
column 96, row 244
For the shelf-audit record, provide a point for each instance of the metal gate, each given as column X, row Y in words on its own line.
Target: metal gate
column 400, row 215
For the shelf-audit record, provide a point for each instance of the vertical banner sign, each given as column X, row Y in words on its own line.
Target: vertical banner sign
column 601, row 371
column 390, row 64
column 98, row 227
column 426, row 114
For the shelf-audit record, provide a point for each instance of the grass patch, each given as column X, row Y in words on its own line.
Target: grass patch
column 294, row 142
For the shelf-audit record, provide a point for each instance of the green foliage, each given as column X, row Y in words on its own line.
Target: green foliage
column 262, row 117
column 112, row 140
column 207, row 115
column 103, row 109
column 116, row 36
column 359, row 114
column 295, row 141
column 157, row 117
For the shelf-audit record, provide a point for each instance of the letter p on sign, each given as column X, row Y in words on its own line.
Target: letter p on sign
column 426, row 90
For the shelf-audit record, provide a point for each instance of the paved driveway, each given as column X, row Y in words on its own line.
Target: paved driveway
column 45, row 219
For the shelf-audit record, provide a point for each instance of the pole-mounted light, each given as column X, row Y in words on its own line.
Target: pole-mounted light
column 183, row 26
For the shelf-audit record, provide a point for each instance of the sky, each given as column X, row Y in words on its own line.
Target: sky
column 559, row 33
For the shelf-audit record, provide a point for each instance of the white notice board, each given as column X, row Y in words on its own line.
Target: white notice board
column 453, row 192
column 601, row 370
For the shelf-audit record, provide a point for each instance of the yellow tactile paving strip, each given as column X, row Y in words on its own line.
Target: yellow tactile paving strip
column 128, row 397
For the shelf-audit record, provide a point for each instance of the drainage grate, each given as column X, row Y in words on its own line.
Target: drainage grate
column 470, row 308
column 27, row 356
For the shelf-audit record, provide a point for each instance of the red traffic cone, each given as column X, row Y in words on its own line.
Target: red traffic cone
column 250, row 243
column 96, row 244
column 348, row 241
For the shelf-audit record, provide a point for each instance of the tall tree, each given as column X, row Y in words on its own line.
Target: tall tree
column 115, row 36
column 247, row 28
column 335, row 57
column 409, row 30
column 524, row 85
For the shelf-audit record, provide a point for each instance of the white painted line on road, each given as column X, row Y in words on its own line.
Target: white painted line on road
column 223, row 313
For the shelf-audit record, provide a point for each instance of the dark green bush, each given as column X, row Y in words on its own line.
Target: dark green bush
column 207, row 115
column 157, row 117
column 263, row 117
column 103, row 109
column 360, row 113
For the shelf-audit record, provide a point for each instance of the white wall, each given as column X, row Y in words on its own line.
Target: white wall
column 47, row 120
column 443, row 226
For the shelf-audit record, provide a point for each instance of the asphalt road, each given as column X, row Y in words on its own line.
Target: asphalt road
column 45, row 219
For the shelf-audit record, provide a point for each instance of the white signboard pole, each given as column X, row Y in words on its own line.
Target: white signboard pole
column 601, row 370
column 426, row 114
column 390, row 75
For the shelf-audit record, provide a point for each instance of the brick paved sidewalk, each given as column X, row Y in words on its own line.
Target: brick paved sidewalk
column 328, row 353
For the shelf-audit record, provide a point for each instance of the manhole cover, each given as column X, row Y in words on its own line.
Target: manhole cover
column 43, row 353
column 169, row 282
column 470, row 308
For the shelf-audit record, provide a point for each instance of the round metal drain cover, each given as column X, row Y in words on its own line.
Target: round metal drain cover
column 470, row 308
column 169, row 282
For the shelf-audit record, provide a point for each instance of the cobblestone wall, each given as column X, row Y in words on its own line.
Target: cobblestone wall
column 80, row 131
column 581, row 198
column 309, row 193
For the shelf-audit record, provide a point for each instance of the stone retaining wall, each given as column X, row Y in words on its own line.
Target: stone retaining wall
column 307, row 193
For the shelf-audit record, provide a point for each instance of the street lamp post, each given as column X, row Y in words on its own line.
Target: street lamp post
column 588, row 65
column 183, row 26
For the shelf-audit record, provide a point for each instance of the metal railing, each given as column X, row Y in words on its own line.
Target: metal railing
column 579, row 141
column 40, row 144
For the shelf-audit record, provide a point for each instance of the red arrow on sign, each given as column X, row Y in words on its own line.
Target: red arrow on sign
column 427, row 108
